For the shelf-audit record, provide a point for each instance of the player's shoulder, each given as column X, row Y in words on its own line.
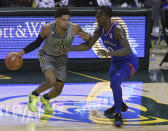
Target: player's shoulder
column 118, row 28
column 46, row 29
column 119, row 31
column 47, row 26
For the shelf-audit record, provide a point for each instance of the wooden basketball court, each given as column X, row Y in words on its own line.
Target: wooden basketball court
column 84, row 98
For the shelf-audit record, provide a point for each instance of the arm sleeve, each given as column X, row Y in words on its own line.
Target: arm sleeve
column 32, row 46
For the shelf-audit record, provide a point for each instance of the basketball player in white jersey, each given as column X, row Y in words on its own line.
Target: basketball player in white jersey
column 58, row 36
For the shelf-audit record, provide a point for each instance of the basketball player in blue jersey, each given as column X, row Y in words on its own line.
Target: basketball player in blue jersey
column 58, row 36
column 123, row 62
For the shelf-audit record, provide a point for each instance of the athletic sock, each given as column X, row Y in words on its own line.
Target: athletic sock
column 35, row 93
column 46, row 96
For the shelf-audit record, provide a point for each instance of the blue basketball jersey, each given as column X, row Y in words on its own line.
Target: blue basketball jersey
column 122, row 67
column 111, row 43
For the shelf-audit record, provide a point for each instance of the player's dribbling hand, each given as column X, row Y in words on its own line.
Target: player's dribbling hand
column 85, row 36
column 103, row 53
column 20, row 53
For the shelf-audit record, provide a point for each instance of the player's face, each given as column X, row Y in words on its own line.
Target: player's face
column 101, row 18
column 63, row 21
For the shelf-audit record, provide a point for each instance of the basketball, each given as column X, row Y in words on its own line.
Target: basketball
column 13, row 61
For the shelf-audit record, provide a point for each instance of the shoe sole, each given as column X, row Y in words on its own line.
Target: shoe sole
column 123, row 110
column 118, row 124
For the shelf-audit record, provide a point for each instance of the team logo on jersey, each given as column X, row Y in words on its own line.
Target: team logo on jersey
column 111, row 36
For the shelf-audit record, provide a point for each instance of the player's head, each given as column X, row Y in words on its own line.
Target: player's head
column 103, row 14
column 62, row 16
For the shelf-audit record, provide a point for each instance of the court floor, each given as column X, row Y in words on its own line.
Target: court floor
column 84, row 98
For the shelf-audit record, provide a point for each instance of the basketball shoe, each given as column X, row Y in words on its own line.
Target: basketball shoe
column 47, row 106
column 118, row 120
column 111, row 110
column 32, row 104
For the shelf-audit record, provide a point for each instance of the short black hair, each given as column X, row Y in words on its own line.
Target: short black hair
column 62, row 11
column 106, row 10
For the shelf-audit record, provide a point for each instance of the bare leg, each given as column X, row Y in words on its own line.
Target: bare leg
column 56, row 90
column 43, row 87
column 51, row 80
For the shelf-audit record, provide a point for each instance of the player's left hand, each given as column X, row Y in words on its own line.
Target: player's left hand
column 103, row 53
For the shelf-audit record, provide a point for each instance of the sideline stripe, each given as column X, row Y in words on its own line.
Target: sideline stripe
column 77, row 73
column 92, row 77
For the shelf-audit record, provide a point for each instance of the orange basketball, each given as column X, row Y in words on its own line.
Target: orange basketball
column 13, row 61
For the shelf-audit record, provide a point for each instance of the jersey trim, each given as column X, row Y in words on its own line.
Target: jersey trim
column 132, row 69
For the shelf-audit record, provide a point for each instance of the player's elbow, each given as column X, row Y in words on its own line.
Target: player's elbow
column 89, row 47
column 86, row 48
